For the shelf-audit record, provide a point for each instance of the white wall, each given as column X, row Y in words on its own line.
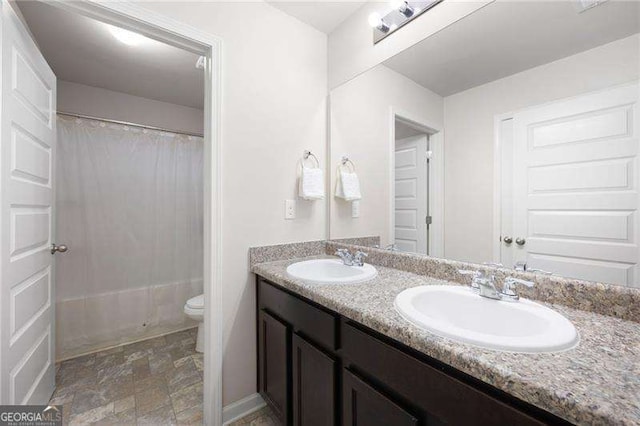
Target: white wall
column 361, row 128
column 97, row 102
column 469, row 133
column 351, row 48
column 274, row 107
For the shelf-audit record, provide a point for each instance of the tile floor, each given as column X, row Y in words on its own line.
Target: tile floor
column 152, row 382
column 262, row 417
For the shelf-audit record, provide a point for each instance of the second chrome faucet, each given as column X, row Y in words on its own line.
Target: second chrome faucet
column 484, row 283
column 356, row 259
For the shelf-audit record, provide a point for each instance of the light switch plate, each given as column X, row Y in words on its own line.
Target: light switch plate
column 290, row 209
column 355, row 209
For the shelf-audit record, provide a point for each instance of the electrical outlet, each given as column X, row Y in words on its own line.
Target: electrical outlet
column 290, row 209
column 355, row 209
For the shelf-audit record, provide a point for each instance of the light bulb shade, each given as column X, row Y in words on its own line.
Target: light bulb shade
column 398, row 5
column 375, row 20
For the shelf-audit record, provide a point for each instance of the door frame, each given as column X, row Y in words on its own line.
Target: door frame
column 436, row 176
column 497, row 185
column 168, row 30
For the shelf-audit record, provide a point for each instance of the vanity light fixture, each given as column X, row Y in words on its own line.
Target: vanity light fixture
column 402, row 12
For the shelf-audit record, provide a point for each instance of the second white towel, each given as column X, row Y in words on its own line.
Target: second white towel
column 311, row 184
column 348, row 186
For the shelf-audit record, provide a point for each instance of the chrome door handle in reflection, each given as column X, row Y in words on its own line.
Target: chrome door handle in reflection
column 61, row 248
column 520, row 241
column 507, row 240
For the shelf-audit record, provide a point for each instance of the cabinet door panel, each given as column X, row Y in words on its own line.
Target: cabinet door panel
column 365, row 406
column 273, row 347
column 313, row 385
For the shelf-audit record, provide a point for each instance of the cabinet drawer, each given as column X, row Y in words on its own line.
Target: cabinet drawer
column 306, row 319
column 363, row 405
column 438, row 394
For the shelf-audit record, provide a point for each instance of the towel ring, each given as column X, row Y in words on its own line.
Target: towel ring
column 306, row 156
column 345, row 160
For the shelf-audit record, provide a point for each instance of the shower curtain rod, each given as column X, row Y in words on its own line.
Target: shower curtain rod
column 126, row 123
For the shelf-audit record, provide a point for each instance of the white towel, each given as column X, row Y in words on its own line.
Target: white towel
column 311, row 184
column 348, row 186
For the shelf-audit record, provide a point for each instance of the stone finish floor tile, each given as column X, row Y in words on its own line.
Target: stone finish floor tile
column 262, row 417
column 152, row 382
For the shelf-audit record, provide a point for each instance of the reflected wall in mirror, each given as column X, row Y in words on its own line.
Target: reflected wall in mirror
column 509, row 137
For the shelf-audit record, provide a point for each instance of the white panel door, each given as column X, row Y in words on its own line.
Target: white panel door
column 26, row 192
column 411, row 194
column 576, row 186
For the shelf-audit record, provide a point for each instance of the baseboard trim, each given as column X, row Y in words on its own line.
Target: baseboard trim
column 128, row 342
column 244, row 407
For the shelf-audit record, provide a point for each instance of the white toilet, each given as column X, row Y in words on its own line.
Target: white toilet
column 194, row 309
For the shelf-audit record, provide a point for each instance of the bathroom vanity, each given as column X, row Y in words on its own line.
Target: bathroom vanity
column 316, row 367
column 343, row 354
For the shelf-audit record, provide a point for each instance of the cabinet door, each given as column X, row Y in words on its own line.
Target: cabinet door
column 313, row 385
column 365, row 406
column 273, row 359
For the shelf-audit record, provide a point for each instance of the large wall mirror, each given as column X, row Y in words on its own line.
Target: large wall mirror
column 509, row 137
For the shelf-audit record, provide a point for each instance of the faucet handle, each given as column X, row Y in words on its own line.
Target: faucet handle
column 512, row 281
column 508, row 288
column 358, row 258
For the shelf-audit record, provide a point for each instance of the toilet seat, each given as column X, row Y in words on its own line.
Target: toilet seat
column 194, row 309
column 195, row 303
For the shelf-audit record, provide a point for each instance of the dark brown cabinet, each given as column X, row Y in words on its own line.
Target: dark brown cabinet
column 316, row 368
column 313, row 377
column 273, row 347
column 363, row 405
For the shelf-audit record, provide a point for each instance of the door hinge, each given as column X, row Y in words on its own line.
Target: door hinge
column 429, row 220
column 429, row 155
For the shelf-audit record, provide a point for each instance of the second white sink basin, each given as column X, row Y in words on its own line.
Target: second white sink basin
column 460, row 314
column 330, row 271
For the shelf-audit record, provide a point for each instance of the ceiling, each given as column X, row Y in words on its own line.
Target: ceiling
column 324, row 16
column 83, row 50
column 507, row 37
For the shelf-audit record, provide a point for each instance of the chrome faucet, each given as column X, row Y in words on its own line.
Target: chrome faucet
column 484, row 284
column 345, row 255
column 349, row 259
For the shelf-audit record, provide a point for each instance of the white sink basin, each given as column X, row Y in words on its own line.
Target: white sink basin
column 330, row 271
column 460, row 314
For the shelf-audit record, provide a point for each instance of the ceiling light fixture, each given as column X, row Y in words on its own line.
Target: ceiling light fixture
column 127, row 37
column 375, row 20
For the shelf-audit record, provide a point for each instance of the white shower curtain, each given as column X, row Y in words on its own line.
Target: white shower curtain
column 129, row 205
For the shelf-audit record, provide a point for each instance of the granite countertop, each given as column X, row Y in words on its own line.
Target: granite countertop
column 596, row 383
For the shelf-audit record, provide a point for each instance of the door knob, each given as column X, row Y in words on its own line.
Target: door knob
column 520, row 241
column 61, row 248
column 507, row 240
